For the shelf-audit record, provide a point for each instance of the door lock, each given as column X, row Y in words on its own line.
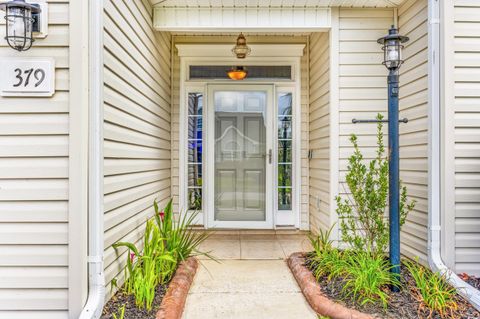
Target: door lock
column 270, row 156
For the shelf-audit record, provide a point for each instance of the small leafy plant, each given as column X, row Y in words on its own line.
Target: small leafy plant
column 432, row 291
column 363, row 214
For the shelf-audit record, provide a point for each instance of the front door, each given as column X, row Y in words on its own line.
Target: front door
column 242, row 156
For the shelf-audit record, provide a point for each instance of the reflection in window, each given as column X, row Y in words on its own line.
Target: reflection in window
column 195, row 151
column 285, row 137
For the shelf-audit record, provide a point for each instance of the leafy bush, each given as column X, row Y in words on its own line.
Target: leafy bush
column 432, row 290
column 180, row 239
column 363, row 214
column 154, row 264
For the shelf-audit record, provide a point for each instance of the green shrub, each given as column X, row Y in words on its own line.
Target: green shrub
column 432, row 290
column 363, row 214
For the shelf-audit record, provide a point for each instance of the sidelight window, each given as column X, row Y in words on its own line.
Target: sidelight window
column 284, row 149
column 195, row 151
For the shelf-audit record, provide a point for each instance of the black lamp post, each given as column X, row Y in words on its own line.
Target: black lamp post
column 392, row 46
column 19, row 23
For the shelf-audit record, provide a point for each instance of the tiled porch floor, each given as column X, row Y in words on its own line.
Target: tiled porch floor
column 251, row 279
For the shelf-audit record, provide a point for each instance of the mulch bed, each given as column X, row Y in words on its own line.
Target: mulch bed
column 169, row 300
column 114, row 305
column 402, row 305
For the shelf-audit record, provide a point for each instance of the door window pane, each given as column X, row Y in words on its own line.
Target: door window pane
column 195, row 151
column 285, row 151
column 285, row 175
column 195, row 199
column 285, row 127
column 285, row 198
column 195, row 127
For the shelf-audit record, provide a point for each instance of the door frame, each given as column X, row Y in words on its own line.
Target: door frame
column 209, row 133
column 212, row 54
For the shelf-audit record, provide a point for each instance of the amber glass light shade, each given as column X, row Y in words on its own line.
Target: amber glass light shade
column 237, row 73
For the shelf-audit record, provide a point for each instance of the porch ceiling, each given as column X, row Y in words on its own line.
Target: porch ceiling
column 276, row 3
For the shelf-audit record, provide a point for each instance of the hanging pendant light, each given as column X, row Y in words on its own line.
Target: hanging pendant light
column 237, row 73
column 241, row 49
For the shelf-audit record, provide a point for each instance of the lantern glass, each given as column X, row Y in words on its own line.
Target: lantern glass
column 393, row 54
column 19, row 23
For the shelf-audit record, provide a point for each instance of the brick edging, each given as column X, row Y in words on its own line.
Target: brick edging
column 312, row 291
column 173, row 302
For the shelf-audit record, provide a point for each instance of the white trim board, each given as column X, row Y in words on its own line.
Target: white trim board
column 225, row 50
column 256, row 19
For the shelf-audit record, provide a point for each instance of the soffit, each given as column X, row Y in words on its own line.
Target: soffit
column 277, row 3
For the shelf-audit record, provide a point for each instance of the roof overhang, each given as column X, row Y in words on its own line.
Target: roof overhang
column 279, row 3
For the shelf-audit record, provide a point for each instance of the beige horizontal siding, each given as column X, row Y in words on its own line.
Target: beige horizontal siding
column 467, row 135
column 34, row 191
column 319, row 128
column 413, row 22
column 362, row 82
column 137, row 126
column 362, row 79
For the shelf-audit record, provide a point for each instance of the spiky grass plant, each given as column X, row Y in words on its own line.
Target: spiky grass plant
column 121, row 313
column 180, row 239
column 148, row 267
column 432, row 291
column 368, row 278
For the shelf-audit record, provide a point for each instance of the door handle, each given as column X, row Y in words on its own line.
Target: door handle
column 270, row 156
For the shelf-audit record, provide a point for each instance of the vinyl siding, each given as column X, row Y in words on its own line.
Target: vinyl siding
column 34, row 191
column 319, row 126
column 362, row 82
column 137, row 126
column 413, row 22
column 467, row 135
column 304, row 224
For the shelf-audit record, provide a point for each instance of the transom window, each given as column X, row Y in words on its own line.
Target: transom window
column 256, row 72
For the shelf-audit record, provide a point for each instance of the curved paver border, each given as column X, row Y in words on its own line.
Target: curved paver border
column 312, row 291
column 173, row 302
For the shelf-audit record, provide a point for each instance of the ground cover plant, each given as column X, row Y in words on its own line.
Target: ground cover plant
column 359, row 275
column 167, row 241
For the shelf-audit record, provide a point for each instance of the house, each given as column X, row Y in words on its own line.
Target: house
column 141, row 108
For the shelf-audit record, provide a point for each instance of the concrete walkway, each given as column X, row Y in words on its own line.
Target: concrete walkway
column 251, row 281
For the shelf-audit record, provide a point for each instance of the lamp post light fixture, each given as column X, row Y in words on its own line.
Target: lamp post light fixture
column 392, row 47
column 19, row 17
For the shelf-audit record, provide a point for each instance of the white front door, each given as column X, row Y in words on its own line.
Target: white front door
column 239, row 163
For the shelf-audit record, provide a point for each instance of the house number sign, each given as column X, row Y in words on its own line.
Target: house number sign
column 27, row 77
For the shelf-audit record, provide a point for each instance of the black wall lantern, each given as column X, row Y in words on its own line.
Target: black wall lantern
column 21, row 17
column 392, row 47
